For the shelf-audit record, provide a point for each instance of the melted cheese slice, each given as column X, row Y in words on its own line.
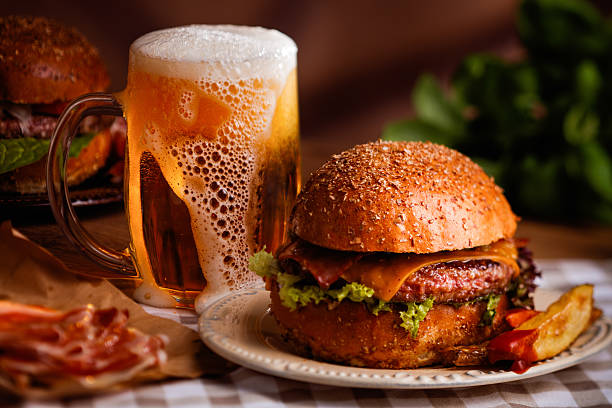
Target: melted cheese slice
column 387, row 274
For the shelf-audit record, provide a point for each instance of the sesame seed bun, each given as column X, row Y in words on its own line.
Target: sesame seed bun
column 42, row 61
column 401, row 197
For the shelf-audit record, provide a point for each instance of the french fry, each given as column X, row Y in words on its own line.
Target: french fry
column 562, row 322
column 546, row 334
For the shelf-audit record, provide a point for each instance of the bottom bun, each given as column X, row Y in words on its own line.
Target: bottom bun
column 350, row 334
column 31, row 179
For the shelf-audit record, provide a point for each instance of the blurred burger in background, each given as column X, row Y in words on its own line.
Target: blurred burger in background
column 43, row 66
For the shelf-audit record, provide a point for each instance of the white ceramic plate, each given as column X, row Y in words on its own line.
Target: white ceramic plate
column 240, row 328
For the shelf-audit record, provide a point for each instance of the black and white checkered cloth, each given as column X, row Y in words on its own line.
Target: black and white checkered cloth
column 587, row 384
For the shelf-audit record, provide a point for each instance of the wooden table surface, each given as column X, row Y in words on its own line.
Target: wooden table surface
column 107, row 223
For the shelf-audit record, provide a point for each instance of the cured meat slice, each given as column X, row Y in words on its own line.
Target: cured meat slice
column 94, row 347
column 326, row 265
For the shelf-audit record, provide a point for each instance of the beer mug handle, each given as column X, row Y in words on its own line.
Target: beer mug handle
column 118, row 262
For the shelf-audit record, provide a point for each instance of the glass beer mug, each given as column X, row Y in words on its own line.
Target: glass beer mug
column 212, row 160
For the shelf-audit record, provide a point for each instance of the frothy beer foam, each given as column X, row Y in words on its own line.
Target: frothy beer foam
column 230, row 52
column 220, row 86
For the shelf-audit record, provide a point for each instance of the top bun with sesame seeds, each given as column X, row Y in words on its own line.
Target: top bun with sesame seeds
column 402, row 197
column 43, row 61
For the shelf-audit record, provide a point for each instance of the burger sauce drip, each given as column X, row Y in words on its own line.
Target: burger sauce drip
column 520, row 366
column 515, row 345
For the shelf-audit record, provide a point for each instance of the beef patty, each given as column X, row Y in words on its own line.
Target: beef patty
column 457, row 281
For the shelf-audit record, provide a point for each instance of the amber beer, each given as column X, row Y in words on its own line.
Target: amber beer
column 213, row 156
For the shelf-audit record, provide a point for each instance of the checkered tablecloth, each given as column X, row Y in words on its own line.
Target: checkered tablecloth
column 587, row 384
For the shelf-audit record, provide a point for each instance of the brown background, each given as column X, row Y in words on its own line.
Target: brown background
column 357, row 59
column 357, row 63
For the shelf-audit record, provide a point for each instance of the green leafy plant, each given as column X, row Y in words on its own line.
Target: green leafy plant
column 542, row 127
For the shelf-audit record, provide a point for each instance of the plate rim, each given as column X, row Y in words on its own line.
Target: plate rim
column 300, row 368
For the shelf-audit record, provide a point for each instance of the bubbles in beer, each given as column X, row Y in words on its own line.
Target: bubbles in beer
column 184, row 106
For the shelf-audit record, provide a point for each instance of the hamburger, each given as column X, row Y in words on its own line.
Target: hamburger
column 400, row 254
column 44, row 65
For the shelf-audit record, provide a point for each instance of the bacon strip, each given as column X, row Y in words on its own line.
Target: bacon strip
column 41, row 345
column 326, row 265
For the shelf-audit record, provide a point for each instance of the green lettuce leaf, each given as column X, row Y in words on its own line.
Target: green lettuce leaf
column 489, row 314
column 264, row 264
column 353, row 291
column 375, row 306
column 292, row 297
column 79, row 143
column 15, row 153
column 414, row 315
column 492, row 302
